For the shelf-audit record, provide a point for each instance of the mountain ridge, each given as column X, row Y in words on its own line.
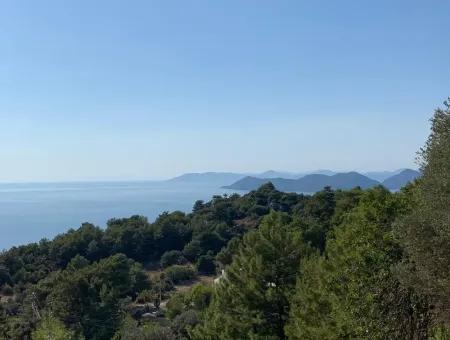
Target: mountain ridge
column 316, row 182
column 308, row 183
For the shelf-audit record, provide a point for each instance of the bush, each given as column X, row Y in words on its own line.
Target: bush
column 225, row 256
column 206, row 265
column 172, row 257
column 183, row 322
column 258, row 210
column 131, row 330
column 4, row 275
column 200, row 296
column 175, row 306
column 177, row 273
column 145, row 296
column 210, row 241
column 7, row 290
column 192, row 250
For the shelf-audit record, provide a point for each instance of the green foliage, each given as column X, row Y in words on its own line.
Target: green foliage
column 197, row 298
column 351, row 292
column 185, row 322
column 93, row 296
column 314, row 217
column 171, row 232
column 130, row 330
column 325, row 266
column 425, row 232
column 192, row 250
column 253, row 300
column 203, row 243
column 210, row 241
column 145, row 296
column 77, row 262
column 3, row 323
column 176, row 305
column 51, row 328
column 172, row 257
column 132, row 236
column 4, row 275
column 177, row 273
column 7, row 290
column 206, row 264
column 200, row 296
column 225, row 256
column 440, row 332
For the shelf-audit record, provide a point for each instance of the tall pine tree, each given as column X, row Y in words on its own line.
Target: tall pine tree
column 252, row 300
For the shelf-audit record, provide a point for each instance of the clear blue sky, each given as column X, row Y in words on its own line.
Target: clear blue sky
column 150, row 89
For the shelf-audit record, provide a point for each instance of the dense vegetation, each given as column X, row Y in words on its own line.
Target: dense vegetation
column 355, row 264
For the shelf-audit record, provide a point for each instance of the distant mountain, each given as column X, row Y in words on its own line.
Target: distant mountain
column 308, row 183
column 401, row 179
column 226, row 178
column 207, row 178
column 301, row 182
column 380, row 176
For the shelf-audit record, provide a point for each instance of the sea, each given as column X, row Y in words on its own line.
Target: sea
column 30, row 212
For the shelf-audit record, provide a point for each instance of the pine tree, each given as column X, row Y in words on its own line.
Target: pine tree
column 252, row 300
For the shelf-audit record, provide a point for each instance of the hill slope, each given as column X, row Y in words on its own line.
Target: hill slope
column 400, row 180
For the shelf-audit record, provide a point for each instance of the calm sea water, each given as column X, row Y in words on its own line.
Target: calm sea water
column 30, row 212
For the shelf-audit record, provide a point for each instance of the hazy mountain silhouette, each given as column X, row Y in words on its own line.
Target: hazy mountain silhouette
column 207, row 178
column 308, row 183
column 401, row 179
column 300, row 182
column 380, row 176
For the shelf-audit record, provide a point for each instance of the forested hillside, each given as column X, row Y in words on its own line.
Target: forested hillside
column 339, row 264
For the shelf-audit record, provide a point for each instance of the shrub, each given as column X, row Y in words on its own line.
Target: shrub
column 7, row 290
column 183, row 322
column 172, row 257
column 206, row 265
column 200, row 296
column 192, row 250
column 4, row 275
column 145, row 296
column 175, row 306
column 210, row 241
column 258, row 210
column 177, row 273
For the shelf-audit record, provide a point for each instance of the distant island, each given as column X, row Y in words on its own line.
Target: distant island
column 316, row 182
column 311, row 182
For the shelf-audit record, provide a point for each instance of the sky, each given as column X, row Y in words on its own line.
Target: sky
column 116, row 90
